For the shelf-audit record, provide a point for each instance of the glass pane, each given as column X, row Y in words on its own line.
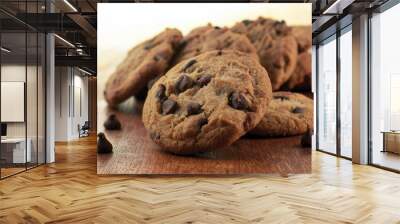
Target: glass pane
column 313, row 80
column 31, row 97
column 13, row 86
column 346, row 94
column 327, row 96
column 385, row 84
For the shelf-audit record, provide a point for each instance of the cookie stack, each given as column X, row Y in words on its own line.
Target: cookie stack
column 204, row 91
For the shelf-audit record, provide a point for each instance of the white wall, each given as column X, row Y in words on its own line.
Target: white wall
column 62, row 81
column 15, row 72
column 71, row 94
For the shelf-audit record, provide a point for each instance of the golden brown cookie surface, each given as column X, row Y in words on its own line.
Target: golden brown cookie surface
column 143, row 63
column 303, row 37
column 300, row 80
column 275, row 44
column 288, row 114
column 209, row 38
column 207, row 102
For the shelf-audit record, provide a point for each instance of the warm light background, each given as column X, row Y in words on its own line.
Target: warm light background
column 121, row 26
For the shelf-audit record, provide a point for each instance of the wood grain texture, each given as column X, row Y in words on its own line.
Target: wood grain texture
column 136, row 153
column 69, row 191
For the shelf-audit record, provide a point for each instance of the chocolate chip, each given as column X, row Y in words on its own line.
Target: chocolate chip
column 219, row 52
column 204, row 80
column 184, row 82
column 203, row 121
column 281, row 98
column 103, row 145
column 160, row 94
column 280, row 27
column 238, row 101
column 156, row 58
column 298, row 110
column 306, row 139
column 188, row 64
column 169, row 107
column 270, row 44
column 148, row 46
column 193, row 108
column 246, row 22
column 112, row 123
column 154, row 135
column 217, row 27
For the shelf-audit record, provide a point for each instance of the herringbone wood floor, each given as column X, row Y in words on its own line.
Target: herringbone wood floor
column 69, row 191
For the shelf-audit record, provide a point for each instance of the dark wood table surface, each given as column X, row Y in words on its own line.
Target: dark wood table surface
column 135, row 153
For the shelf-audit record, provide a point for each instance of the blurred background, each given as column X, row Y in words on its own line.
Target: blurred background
column 122, row 26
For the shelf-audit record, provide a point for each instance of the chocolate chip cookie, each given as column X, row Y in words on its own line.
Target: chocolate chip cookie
column 209, row 38
column 275, row 44
column 288, row 114
column 300, row 80
column 207, row 102
column 303, row 37
column 143, row 63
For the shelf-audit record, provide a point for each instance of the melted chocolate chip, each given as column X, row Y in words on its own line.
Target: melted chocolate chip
column 148, row 46
column 219, row 53
column 246, row 22
column 160, row 94
column 306, row 139
column 298, row 110
column 203, row 121
column 238, row 101
column 280, row 27
column 281, row 98
column 204, row 80
column 169, row 107
column 217, row 27
column 184, row 82
column 193, row 108
column 156, row 58
column 269, row 44
column 188, row 64
column 112, row 123
column 103, row 145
